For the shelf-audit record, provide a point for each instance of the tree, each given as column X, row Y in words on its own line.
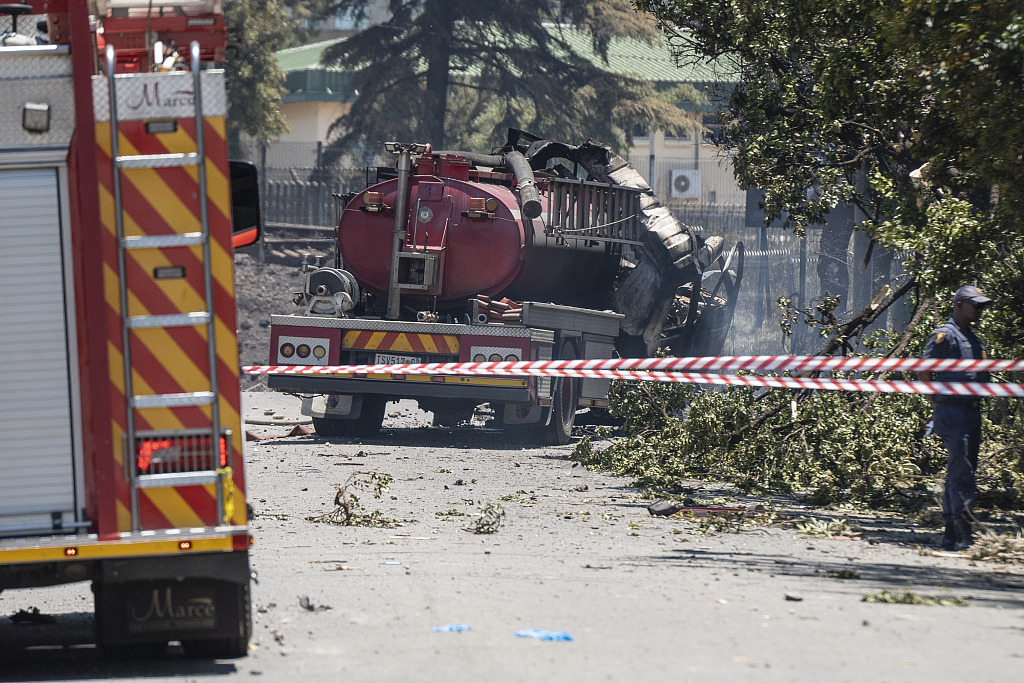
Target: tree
column 912, row 110
column 451, row 71
column 255, row 82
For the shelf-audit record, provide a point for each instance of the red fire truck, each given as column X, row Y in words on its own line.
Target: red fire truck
column 120, row 432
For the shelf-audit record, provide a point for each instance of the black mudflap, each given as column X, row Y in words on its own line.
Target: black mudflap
column 191, row 607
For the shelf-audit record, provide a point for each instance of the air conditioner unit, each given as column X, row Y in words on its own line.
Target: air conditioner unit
column 685, row 184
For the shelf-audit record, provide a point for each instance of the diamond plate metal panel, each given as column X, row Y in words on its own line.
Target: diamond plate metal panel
column 26, row 25
column 42, row 75
column 30, row 63
column 141, row 97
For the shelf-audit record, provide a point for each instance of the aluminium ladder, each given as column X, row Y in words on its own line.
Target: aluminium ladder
column 204, row 318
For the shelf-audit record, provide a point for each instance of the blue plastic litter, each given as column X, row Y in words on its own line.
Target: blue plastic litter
column 541, row 634
column 452, row 627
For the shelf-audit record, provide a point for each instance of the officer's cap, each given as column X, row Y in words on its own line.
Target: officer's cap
column 972, row 294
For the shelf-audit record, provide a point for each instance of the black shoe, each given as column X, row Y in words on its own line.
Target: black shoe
column 964, row 535
column 949, row 537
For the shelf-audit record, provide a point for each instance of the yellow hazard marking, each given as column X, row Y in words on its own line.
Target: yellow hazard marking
column 448, row 379
column 124, row 517
column 173, row 507
column 217, row 185
column 227, row 346
column 116, row 548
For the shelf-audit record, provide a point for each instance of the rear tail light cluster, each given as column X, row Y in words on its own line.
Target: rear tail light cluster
column 495, row 354
column 175, row 452
column 302, row 351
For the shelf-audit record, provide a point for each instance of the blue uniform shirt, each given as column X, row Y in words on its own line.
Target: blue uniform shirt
column 949, row 341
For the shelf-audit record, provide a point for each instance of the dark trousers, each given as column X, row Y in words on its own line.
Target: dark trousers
column 960, row 429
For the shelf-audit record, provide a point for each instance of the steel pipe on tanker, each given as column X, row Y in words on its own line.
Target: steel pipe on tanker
column 401, row 203
column 529, row 196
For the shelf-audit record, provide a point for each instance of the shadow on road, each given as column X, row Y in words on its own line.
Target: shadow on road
column 66, row 651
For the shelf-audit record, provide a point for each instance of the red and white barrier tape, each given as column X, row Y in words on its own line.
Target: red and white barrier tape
column 679, row 370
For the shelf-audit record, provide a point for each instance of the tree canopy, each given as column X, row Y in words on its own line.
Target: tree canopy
column 255, row 81
column 458, row 72
column 911, row 109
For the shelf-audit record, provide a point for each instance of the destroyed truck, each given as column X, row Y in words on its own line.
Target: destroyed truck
column 539, row 250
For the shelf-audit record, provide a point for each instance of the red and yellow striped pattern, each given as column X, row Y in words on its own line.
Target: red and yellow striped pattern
column 401, row 342
column 164, row 201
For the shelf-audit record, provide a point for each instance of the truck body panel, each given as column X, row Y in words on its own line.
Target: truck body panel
column 120, row 427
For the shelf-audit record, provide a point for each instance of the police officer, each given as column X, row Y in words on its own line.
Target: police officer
column 957, row 419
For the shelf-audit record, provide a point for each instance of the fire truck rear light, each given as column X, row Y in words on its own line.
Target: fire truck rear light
column 70, row 552
column 477, row 204
column 287, row 350
column 303, row 351
column 373, row 198
column 319, row 352
column 479, row 358
column 512, row 358
column 186, row 451
column 495, row 358
column 185, row 545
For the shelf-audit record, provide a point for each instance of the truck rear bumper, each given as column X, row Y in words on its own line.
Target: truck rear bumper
column 510, row 391
column 51, row 560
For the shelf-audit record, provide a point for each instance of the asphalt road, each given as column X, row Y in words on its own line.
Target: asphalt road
column 643, row 598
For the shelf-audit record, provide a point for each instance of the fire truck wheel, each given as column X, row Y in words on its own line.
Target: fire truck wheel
column 563, row 415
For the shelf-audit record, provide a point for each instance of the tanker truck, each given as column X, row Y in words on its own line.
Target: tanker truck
column 539, row 250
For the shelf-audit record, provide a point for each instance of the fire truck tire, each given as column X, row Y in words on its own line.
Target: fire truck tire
column 563, row 412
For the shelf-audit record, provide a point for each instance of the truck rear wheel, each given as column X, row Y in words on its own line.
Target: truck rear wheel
column 369, row 422
column 563, row 412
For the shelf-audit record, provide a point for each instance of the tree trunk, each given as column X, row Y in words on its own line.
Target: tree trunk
column 441, row 25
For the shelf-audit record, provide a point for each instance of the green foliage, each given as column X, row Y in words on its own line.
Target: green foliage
column 836, row 447
column 909, row 597
column 348, row 510
column 255, row 81
column 912, row 110
column 458, row 72
column 491, row 517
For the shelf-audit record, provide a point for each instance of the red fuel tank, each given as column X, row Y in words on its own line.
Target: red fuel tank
column 474, row 235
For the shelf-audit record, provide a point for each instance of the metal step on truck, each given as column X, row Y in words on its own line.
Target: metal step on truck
column 120, row 432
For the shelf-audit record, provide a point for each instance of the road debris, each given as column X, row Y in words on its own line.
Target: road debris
column 541, row 634
column 451, row 628
column 909, row 597
column 297, row 430
column 308, row 605
column 491, row 517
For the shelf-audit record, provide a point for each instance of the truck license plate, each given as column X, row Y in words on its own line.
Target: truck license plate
column 389, row 358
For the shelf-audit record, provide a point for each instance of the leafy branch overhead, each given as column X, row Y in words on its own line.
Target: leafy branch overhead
column 459, row 72
column 913, row 111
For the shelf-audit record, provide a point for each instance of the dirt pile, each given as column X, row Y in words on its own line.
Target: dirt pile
column 262, row 289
